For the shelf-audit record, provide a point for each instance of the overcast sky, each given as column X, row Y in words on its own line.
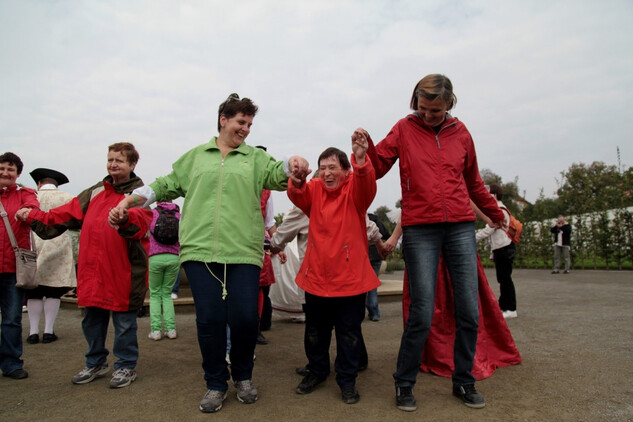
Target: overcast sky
column 540, row 84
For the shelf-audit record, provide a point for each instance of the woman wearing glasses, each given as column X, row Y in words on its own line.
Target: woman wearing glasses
column 221, row 241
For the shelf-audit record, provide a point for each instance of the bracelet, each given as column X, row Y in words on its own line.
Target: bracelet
column 135, row 197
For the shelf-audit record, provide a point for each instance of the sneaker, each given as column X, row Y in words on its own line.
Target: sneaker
column 122, row 377
column 350, row 395
column 212, row 401
column 24, row 309
column 155, row 335
column 309, row 383
column 171, row 334
column 510, row 314
column 17, row 374
column 88, row 374
column 566, row 272
column 469, row 395
column 246, row 391
column 555, row 272
column 174, row 295
column 261, row 339
column 405, row 400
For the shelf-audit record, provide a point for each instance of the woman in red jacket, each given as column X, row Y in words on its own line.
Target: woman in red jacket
column 438, row 176
column 336, row 273
column 13, row 198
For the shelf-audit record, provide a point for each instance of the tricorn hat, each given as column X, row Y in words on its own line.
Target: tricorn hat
column 42, row 173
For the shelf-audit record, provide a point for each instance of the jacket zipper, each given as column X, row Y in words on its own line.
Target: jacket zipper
column 218, row 204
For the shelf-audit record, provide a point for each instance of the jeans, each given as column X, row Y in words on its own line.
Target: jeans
column 422, row 246
column 238, row 309
column 504, row 259
column 344, row 315
column 372, row 296
column 11, row 300
column 163, row 270
column 558, row 250
column 95, row 328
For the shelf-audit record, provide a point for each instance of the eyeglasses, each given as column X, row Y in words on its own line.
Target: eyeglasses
column 230, row 98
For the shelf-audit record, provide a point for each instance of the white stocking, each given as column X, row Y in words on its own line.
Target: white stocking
column 51, row 308
column 34, row 307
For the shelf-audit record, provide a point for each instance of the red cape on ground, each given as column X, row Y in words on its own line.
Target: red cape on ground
column 495, row 345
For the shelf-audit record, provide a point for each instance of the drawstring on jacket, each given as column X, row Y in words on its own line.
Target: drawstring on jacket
column 222, row 282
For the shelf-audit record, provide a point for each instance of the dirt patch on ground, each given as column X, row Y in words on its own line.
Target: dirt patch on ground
column 574, row 332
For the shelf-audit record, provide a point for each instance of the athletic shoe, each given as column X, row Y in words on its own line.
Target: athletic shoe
column 350, row 395
column 122, row 377
column 405, row 400
column 155, row 335
column 17, row 374
column 566, row 272
column 88, row 374
column 510, row 314
column 174, row 295
column 469, row 395
column 246, row 391
column 212, row 401
column 171, row 334
column 309, row 383
column 555, row 272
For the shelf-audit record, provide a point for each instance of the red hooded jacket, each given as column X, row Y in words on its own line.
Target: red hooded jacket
column 336, row 262
column 438, row 172
column 13, row 199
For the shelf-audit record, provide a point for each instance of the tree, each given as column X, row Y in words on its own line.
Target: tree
column 381, row 212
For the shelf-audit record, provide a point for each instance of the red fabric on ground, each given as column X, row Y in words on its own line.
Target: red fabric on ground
column 495, row 345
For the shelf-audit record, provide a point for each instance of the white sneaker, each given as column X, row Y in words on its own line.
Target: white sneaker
column 174, row 295
column 171, row 334
column 510, row 314
column 155, row 335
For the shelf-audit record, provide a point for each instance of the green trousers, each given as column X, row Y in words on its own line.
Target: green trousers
column 163, row 270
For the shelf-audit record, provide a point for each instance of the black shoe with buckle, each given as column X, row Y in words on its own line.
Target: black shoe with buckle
column 404, row 399
column 309, row 383
column 469, row 395
column 350, row 394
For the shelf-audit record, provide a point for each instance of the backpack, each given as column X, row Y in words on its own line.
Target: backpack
column 514, row 228
column 166, row 227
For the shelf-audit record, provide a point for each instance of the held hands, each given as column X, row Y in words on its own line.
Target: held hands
column 299, row 170
column 360, row 144
column 118, row 215
column 22, row 214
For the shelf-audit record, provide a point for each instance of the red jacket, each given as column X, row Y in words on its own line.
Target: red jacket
column 438, row 172
column 13, row 199
column 112, row 264
column 336, row 262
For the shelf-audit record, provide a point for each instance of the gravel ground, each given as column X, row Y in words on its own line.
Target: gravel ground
column 574, row 332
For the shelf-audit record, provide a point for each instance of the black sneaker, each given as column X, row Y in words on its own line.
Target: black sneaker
column 350, row 395
column 469, row 395
column 309, row 383
column 555, row 272
column 405, row 400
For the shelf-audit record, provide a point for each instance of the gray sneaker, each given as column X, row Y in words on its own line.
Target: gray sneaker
column 212, row 401
column 246, row 391
column 122, row 377
column 88, row 374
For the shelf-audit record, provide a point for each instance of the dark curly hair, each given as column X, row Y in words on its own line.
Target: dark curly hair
column 11, row 158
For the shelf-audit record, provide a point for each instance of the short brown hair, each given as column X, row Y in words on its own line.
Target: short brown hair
column 432, row 87
column 497, row 191
column 126, row 149
column 233, row 105
column 11, row 158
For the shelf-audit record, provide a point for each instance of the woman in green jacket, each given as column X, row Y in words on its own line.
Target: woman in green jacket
column 221, row 241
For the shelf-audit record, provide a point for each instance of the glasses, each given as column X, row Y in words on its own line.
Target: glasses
column 230, row 98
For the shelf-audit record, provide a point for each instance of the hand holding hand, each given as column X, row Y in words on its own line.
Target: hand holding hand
column 299, row 170
column 283, row 258
column 360, row 144
column 117, row 216
column 22, row 214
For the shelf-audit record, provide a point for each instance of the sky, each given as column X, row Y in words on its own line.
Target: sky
column 541, row 84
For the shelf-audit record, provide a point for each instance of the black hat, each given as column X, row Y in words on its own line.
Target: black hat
column 41, row 173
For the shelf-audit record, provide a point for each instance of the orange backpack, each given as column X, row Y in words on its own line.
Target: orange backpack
column 514, row 228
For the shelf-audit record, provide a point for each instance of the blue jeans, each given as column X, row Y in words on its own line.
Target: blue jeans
column 422, row 246
column 95, row 328
column 372, row 296
column 238, row 309
column 11, row 300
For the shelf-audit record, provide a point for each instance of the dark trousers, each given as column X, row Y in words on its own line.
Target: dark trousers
column 504, row 259
column 344, row 315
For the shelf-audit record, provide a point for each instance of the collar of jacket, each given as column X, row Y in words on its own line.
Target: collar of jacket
column 242, row 149
column 337, row 190
column 415, row 118
column 125, row 187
